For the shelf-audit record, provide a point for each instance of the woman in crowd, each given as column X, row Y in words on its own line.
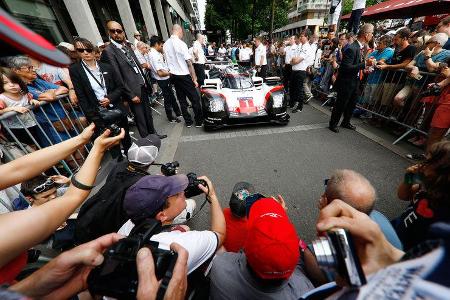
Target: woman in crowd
column 14, row 97
column 426, row 187
column 99, row 89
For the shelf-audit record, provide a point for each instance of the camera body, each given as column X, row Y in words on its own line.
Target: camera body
column 336, row 255
column 117, row 276
column 192, row 189
column 432, row 90
column 170, row 169
column 115, row 130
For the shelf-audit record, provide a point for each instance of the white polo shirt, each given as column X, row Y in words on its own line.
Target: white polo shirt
column 244, row 54
column 304, row 51
column 176, row 52
column 260, row 51
column 290, row 51
column 200, row 53
column 157, row 63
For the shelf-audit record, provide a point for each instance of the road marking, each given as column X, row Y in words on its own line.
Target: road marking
column 250, row 132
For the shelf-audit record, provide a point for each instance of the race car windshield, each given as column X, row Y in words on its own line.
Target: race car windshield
column 237, row 82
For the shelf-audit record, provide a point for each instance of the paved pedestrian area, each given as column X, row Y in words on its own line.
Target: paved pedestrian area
column 292, row 161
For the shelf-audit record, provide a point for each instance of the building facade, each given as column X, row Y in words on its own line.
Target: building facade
column 62, row 20
column 305, row 14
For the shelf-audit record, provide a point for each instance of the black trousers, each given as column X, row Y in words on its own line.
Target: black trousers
column 263, row 71
column 184, row 86
column 297, row 93
column 347, row 94
column 143, row 114
column 169, row 99
column 287, row 72
column 355, row 18
column 200, row 73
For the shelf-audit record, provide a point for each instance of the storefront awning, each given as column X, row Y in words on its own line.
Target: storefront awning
column 402, row 9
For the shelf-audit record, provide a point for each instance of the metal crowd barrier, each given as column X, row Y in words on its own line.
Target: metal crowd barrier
column 383, row 90
column 74, row 122
column 378, row 94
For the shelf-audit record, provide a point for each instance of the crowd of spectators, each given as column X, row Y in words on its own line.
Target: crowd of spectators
column 251, row 249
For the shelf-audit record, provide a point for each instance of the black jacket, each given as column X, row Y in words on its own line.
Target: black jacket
column 86, row 95
column 132, row 81
column 351, row 64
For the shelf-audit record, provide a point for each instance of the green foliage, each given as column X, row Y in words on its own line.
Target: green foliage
column 236, row 16
column 348, row 5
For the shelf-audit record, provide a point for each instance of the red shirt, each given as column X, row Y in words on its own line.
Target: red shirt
column 236, row 231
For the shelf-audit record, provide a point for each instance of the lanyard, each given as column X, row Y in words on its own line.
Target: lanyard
column 102, row 83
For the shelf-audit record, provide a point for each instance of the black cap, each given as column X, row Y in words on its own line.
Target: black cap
column 17, row 39
column 241, row 191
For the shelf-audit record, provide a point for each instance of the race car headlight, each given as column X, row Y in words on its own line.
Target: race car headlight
column 216, row 105
column 277, row 100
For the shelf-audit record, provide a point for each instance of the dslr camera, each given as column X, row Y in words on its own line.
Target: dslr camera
column 170, row 169
column 117, row 276
column 336, row 255
column 192, row 189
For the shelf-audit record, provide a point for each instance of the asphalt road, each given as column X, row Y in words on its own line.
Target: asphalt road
column 292, row 161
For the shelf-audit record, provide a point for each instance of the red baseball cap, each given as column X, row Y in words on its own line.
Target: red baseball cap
column 17, row 39
column 272, row 245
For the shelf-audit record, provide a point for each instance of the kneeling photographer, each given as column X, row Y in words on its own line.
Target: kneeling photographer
column 163, row 198
column 99, row 90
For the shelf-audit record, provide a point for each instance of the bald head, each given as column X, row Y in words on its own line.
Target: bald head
column 177, row 30
column 115, row 31
column 352, row 188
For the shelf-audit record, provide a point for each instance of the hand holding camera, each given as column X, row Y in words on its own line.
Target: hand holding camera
column 372, row 248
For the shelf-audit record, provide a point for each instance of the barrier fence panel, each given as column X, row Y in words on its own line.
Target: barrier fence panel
column 48, row 124
column 395, row 97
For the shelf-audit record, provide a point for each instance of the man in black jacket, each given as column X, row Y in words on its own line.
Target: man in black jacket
column 122, row 58
column 348, row 78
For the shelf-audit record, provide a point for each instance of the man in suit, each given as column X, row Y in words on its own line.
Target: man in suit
column 122, row 58
column 348, row 78
column 97, row 85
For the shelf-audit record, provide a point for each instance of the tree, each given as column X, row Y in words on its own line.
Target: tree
column 236, row 16
column 348, row 5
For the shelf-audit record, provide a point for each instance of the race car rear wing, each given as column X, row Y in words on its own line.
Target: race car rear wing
column 257, row 81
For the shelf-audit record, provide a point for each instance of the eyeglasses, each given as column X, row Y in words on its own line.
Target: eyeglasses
column 48, row 184
column 113, row 31
column 29, row 68
column 81, row 50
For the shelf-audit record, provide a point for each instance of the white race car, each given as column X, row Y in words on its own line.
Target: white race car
column 233, row 96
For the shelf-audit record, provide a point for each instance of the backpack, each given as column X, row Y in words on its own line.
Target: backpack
column 103, row 213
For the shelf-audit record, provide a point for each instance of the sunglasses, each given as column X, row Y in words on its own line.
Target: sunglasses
column 29, row 68
column 81, row 50
column 48, row 184
column 118, row 31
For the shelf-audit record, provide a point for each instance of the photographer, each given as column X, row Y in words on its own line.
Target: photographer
column 103, row 212
column 99, row 90
column 421, row 273
column 46, row 218
column 65, row 276
column 163, row 198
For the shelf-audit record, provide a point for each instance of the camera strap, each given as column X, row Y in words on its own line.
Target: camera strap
column 102, row 83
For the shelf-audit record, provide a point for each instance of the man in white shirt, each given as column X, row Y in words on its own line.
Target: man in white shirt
column 160, row 72
column 300, row 61
column 137, row 38
column 199, row 58
column 310, row 72
column 140, row 52
column 212, row 49
column 182, row 75
column 287, row 70
column 355, row 17
column 260, row 58
column 162, row 198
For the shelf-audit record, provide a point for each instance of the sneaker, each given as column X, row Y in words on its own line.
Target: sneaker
column 415, row 156
column 187, row 213
column 176, row 120
column 199, row 125
column 295, row 106
column 297, row 110
column 188, row 125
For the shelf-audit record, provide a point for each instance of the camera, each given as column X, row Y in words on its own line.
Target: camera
column 115, row 130
column 336, row 255
column 432, row 90
column 117, row 276
column 170, row 169
column 192, row 189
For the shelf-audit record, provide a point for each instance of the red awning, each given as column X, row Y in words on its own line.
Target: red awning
column 402, row 9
